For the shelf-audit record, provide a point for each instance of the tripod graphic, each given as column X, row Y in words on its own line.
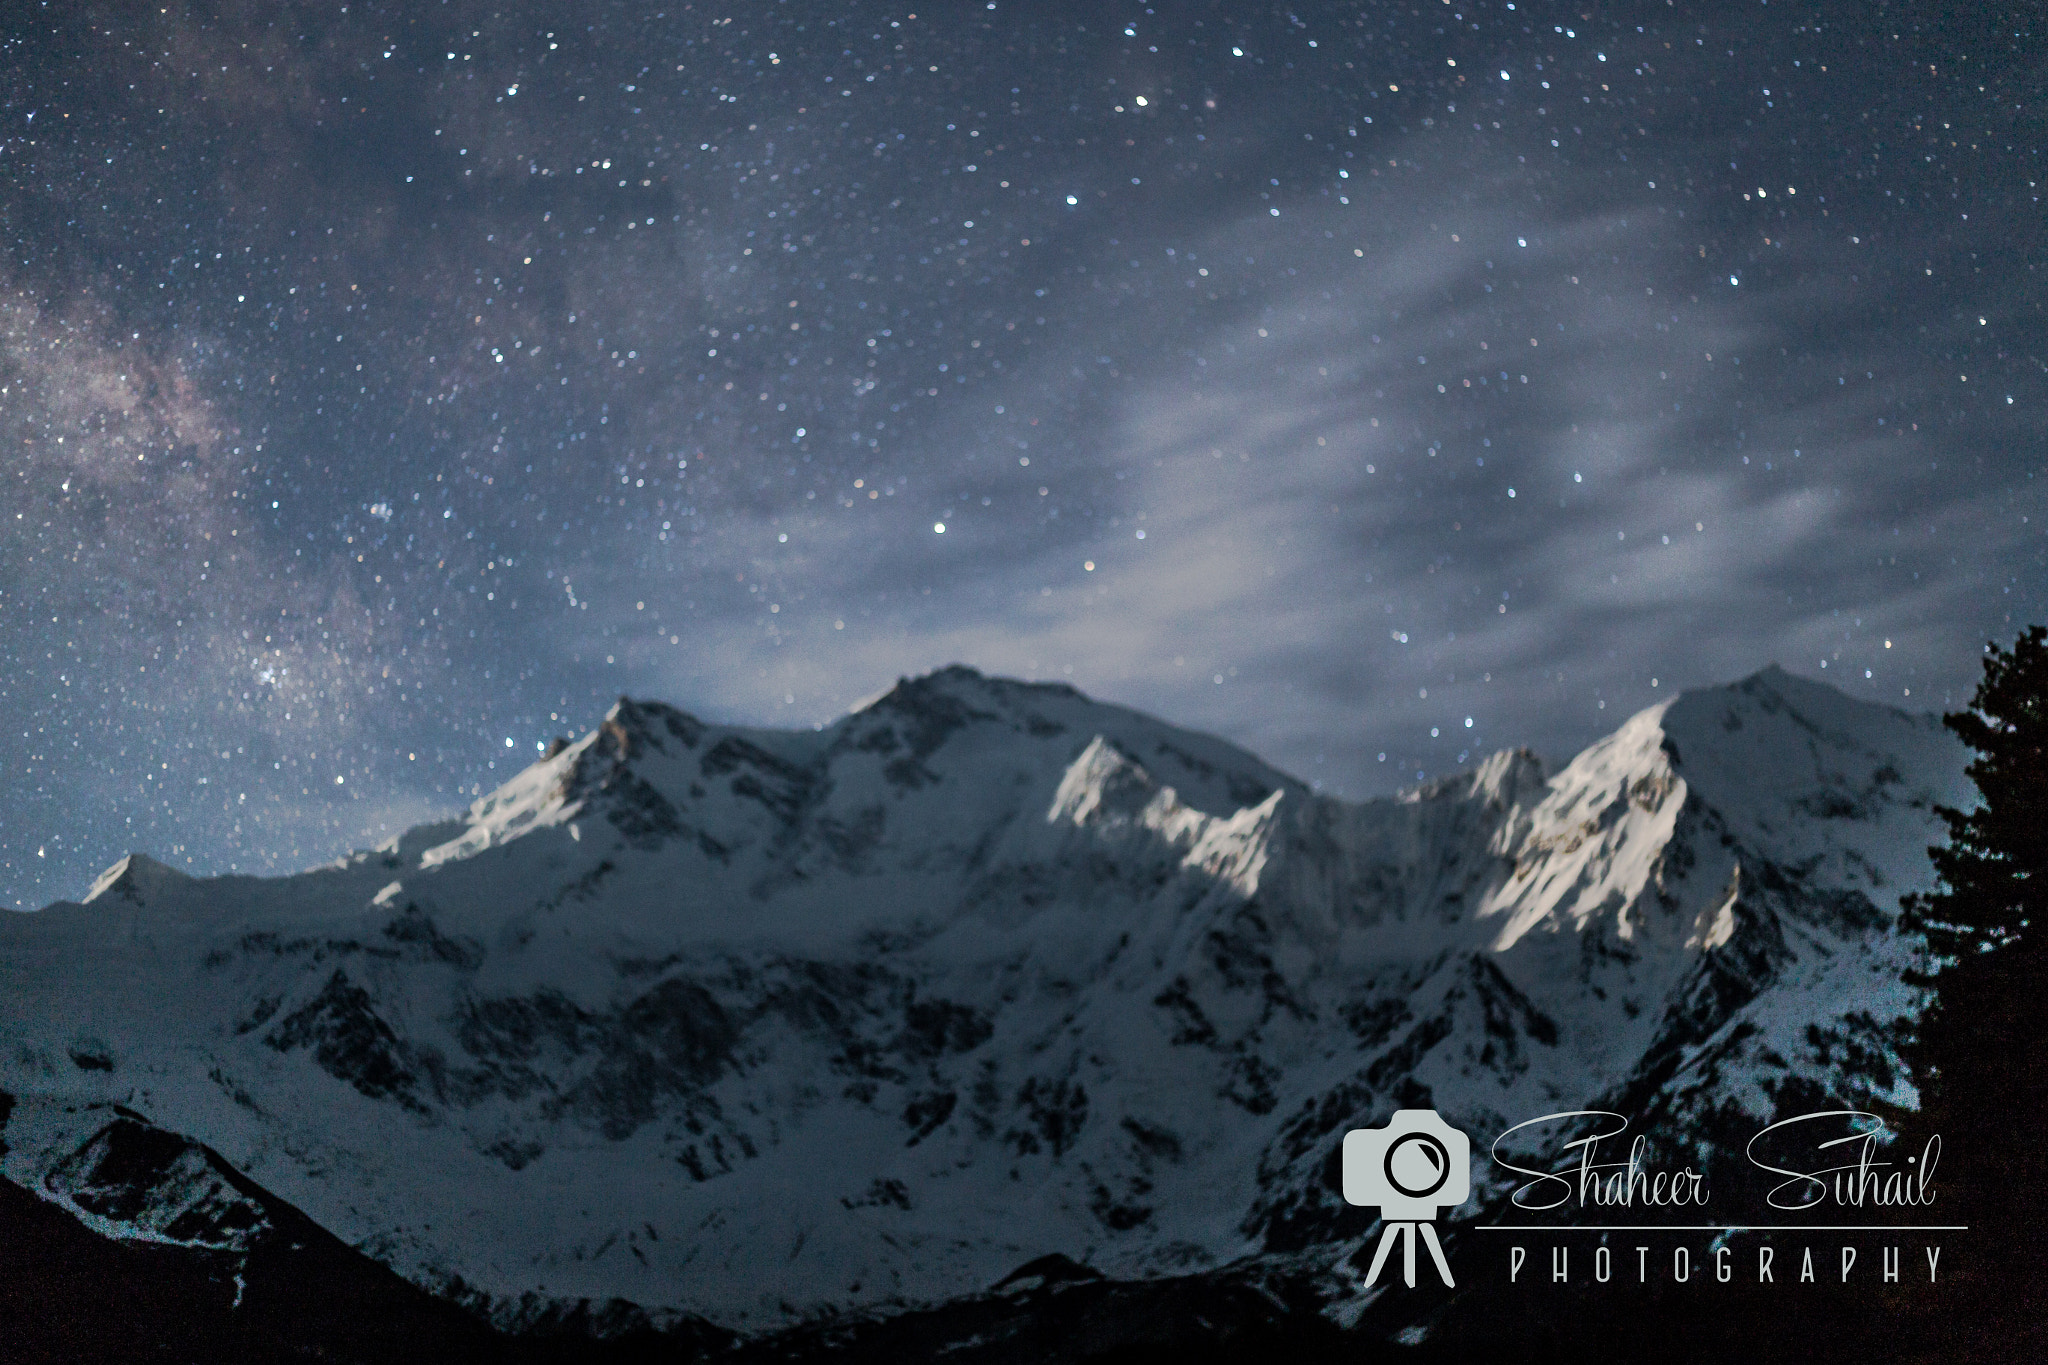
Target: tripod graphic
column 1412, row 1169
column 1405, row 1232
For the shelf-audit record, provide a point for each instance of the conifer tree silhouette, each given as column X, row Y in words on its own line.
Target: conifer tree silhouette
column 1980, row 1052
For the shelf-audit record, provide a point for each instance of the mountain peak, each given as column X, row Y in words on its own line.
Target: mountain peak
column 1774, row 678
column 1509, row 776
column 959, row 682
column 1104, row 781
column 632, row 725
column 1773, row 685
column 137, row 878
column 1500, row 779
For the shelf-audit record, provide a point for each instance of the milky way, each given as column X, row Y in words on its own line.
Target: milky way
column 386, row 388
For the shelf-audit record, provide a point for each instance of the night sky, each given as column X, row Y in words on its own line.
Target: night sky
column 387, row 387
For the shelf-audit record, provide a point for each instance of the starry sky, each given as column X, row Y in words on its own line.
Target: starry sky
column 386, row 387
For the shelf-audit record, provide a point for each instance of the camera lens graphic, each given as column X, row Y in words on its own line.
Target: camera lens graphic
column 1417, row 1165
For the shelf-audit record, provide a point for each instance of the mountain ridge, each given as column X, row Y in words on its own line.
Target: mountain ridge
column 984, row 972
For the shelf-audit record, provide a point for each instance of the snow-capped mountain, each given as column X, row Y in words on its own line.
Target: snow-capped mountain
column 758, row 1027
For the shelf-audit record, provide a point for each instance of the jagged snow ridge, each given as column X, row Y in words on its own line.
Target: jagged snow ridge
column 760, row 1024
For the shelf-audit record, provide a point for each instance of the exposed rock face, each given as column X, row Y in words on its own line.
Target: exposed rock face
column 756, row 1025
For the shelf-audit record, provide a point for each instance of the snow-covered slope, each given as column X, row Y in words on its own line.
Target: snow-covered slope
column 756, row 1025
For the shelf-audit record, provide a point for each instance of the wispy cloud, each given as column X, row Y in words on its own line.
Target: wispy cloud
column 1307, row 496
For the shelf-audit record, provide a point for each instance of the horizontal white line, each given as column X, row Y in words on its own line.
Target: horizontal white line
column 1717, row 1227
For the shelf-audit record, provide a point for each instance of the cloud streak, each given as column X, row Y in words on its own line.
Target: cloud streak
column 1322, row 483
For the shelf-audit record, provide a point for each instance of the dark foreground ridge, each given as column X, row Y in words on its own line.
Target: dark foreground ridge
column 297, row 1293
